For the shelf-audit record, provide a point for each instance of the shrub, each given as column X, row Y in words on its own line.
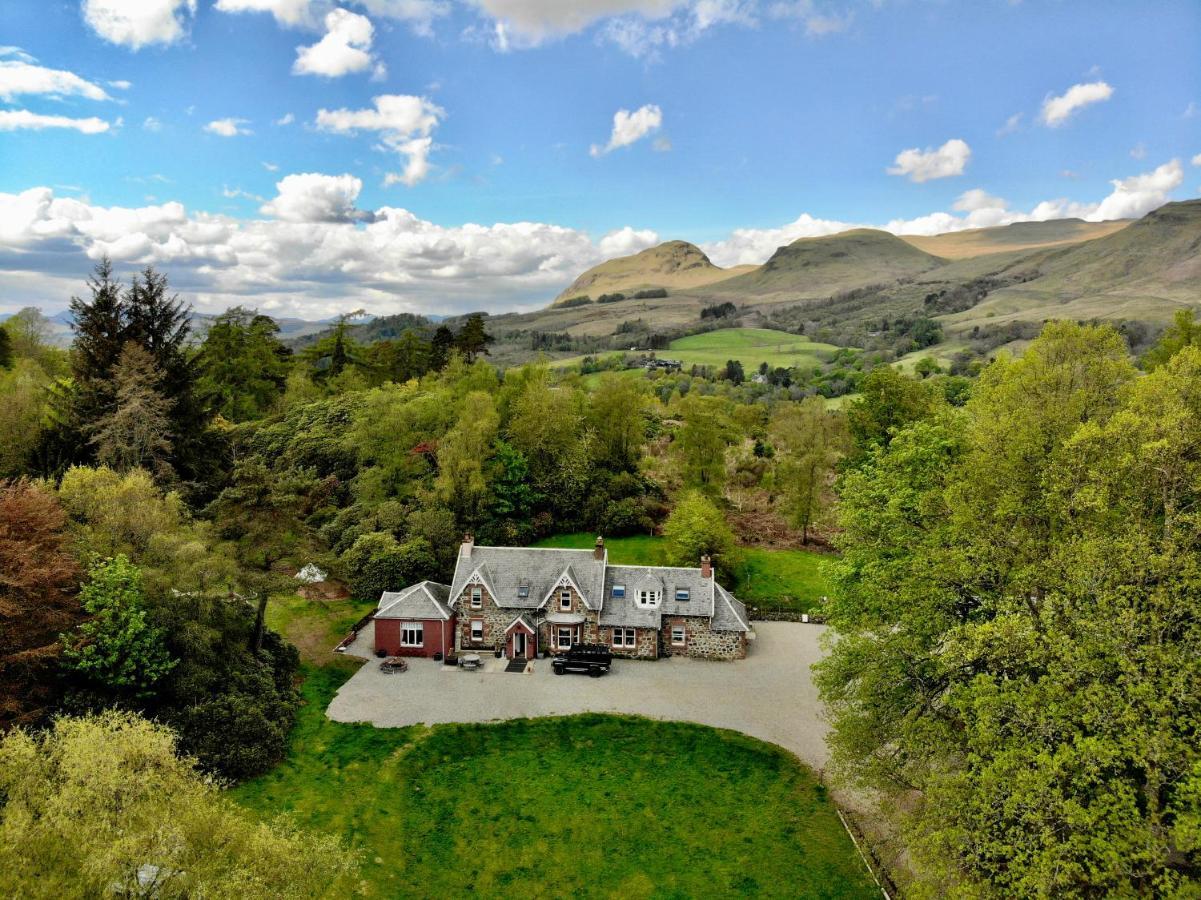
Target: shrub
column 610, row 298
column 582, row 300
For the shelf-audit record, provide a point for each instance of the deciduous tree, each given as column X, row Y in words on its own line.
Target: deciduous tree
column 38, row 584
column 1019, row 651
column 103, row 805
column 116, row 654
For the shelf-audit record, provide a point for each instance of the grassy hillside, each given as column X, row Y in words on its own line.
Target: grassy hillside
column 818, row 267
column 1008, row 238
column 750, row 346
column 673, row 265
column 1145, row 271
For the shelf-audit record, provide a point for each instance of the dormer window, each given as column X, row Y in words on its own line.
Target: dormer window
column 648, row 598
column 619, row 590
column 682, row 594
column 565, row 600
column 477, row 597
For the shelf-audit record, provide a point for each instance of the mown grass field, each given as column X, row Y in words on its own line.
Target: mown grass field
column 750, row 346
column 779, row 579
column 583, row 806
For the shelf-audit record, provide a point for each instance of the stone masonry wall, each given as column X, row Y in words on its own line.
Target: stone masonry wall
column 589, row 633
column 495, row 621
column 647, row 643
column 702, row 641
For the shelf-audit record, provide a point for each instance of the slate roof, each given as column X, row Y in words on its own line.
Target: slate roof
column 504, row 570
column 539, row 568
column 729, row 613
column 424, row 600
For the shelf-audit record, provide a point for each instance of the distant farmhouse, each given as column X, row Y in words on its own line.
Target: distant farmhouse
column 524, row 600
column 652, row 364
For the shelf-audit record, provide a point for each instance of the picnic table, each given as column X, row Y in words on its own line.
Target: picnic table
column 470, row 661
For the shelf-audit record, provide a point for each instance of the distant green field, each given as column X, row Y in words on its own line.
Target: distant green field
column 750, row 346
column 778, row 579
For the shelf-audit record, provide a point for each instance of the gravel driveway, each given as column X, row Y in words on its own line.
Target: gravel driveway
column 769, row 695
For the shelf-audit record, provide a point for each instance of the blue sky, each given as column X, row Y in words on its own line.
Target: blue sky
column 169, row 135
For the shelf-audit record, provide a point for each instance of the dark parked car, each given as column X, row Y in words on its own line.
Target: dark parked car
column 595, row 659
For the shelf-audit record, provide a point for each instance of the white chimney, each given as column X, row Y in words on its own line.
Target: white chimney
column 468, row 543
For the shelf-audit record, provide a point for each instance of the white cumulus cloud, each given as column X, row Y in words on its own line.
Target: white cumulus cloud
column 18, row 77
column 934, row 162
column 313, row 197
column 1197, row 160
column 286, row 12
column 230, row 127
column 345, row 48
column 24, row 120
column 627, row 240
column 137, row 23
column 1057, row 110
column 420, row 14
column 629, row 127
column 405, row 124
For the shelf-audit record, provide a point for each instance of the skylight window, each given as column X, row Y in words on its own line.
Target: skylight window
column 523, row 591
column 681, row 593
column 619, row 590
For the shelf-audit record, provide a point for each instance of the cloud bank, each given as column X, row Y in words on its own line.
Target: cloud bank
column 315, row 252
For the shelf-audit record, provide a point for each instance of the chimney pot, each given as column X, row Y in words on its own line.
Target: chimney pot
column 706, row 567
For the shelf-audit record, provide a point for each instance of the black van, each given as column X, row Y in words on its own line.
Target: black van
column 595, row 659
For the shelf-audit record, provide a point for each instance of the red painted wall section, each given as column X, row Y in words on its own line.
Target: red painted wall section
column 531, row 643
column 437, row 635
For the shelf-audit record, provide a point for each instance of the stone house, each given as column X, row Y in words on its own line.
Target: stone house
column 528, row 599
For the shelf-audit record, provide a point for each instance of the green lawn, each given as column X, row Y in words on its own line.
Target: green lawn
column 583, row 806
column 781, row 579
column 750, row 346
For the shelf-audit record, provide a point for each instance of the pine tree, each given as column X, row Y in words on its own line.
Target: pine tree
column 472, row 340
column 443, row 342
column 137, row 432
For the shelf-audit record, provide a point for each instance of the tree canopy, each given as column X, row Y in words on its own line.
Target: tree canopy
column 1018, row 647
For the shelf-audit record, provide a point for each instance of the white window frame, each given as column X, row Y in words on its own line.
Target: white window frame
column 418, row 627
column 625, row 637
column 474, row 638
column 683, row 636
column 648, row 598
column 559, row 632
column 565, row 599
column 477, row 596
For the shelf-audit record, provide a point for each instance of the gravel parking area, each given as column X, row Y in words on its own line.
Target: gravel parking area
column 769, row 695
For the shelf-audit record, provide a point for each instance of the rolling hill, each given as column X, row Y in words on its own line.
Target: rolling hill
column 820, row 266
column 1008, row 238
column 675, row 264
column 1145, row 271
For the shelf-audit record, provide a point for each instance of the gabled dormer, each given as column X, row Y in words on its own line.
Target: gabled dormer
column 477, row 590
column 559, row 597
